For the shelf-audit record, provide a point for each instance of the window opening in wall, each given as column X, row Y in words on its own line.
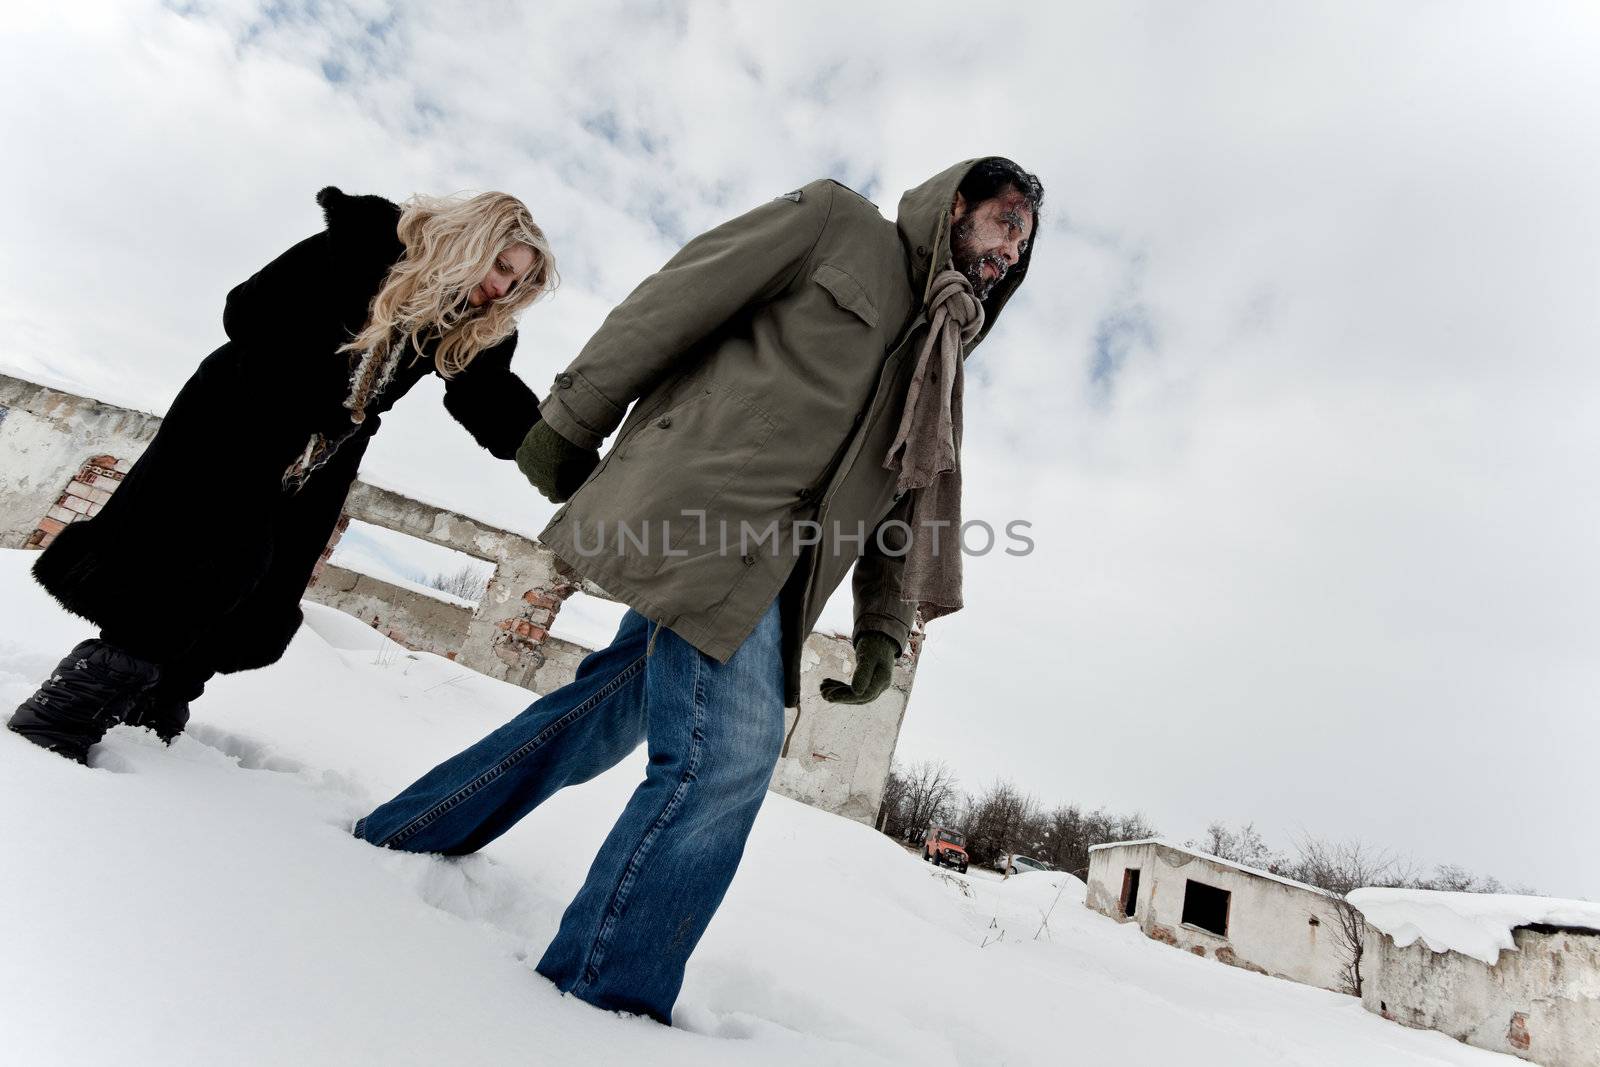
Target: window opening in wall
column 1206, row 906
column 413, row 563
column 1130, row 890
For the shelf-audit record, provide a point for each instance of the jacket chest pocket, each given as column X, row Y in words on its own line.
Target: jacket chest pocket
column 847, row 293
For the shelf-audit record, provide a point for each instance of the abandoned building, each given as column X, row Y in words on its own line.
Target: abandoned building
column 1512, row 974
column 62, row 456
column 1218, row 909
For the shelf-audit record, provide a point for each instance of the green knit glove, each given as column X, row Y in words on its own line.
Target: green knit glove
column 876, row 652
column 554, row 465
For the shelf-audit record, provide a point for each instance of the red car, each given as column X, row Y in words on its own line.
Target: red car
column 945, row 848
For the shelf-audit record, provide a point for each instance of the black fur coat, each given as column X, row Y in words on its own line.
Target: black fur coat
column 200, row 557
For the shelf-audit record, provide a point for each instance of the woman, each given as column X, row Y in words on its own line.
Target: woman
column 197, row 563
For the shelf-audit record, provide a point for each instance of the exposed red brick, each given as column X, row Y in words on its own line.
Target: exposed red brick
column 540, row 598
column 52, row 526
column 1163, row 934
column 1517, row 1035
column 104, row 461
column 1198, row 950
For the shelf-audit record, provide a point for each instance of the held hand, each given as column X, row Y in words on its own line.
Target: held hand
column 875, row 655
column 555, row 466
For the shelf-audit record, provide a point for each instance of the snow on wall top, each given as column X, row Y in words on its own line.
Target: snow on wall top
column 1474, row 924
column 372, row 569
column 1218, row 860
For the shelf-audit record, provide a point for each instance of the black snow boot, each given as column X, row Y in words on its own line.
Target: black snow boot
column 89, row 692
column 164, row 707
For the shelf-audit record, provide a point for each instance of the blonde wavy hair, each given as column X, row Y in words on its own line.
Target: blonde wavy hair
column 451, row 245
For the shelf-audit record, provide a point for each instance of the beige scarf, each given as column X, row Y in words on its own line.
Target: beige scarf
column 927, row 448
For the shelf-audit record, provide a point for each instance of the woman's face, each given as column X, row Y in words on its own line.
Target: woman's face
column 509, row 268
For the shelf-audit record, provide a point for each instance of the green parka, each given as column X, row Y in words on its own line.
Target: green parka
column 768, row 361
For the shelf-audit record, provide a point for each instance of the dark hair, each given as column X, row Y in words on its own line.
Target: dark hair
column 993, row 176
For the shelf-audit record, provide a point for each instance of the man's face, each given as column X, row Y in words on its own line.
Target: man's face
column 987, row 239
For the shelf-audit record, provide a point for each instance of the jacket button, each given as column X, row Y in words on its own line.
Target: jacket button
column 922, row 250
column 664, row 421
column 564, row 381
column 748, row 561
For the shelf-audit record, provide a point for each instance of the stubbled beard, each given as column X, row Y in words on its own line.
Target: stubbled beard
column 969, row 261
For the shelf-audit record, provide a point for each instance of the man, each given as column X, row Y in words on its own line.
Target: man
column 795, row 376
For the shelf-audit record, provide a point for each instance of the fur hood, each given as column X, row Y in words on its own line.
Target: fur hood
column 362, row 227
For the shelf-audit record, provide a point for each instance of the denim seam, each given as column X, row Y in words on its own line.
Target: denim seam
column 527, row 748
column 630, row 873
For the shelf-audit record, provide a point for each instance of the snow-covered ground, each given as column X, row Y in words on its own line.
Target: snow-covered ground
column 205, row 904
column 1479, row 925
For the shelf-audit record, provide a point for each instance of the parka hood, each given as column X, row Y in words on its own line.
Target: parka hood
column 924, row 225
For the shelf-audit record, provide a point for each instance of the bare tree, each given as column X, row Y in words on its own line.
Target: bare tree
column 1449, row 878
column 466, row 583
column 1000, row 822
column 927, row 795
column 1243, row 845
column 1069, row 833
column 1341, row 867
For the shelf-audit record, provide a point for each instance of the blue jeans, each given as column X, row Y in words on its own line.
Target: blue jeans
column 714, row 732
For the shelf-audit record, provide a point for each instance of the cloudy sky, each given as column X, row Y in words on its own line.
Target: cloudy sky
column 1300, row 397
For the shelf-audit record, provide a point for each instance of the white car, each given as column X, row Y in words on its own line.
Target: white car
column 1013, row 864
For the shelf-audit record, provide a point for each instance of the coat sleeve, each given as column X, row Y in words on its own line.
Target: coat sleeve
column 878, row 576
column 745, row 261
column 491, row 402
column 263, row 306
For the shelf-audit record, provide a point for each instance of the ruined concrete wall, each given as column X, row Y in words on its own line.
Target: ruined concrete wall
column 560, row 666
column 1539, row 1002
column 47, row 438
column 1270, row 926
column 407, row 616
column 504, row 635
column 837, row 756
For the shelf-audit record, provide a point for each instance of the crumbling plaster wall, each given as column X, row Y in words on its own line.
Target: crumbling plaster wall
column 409, row 617
column 1539, row 1002
column 46, row 437
column 837, row 756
